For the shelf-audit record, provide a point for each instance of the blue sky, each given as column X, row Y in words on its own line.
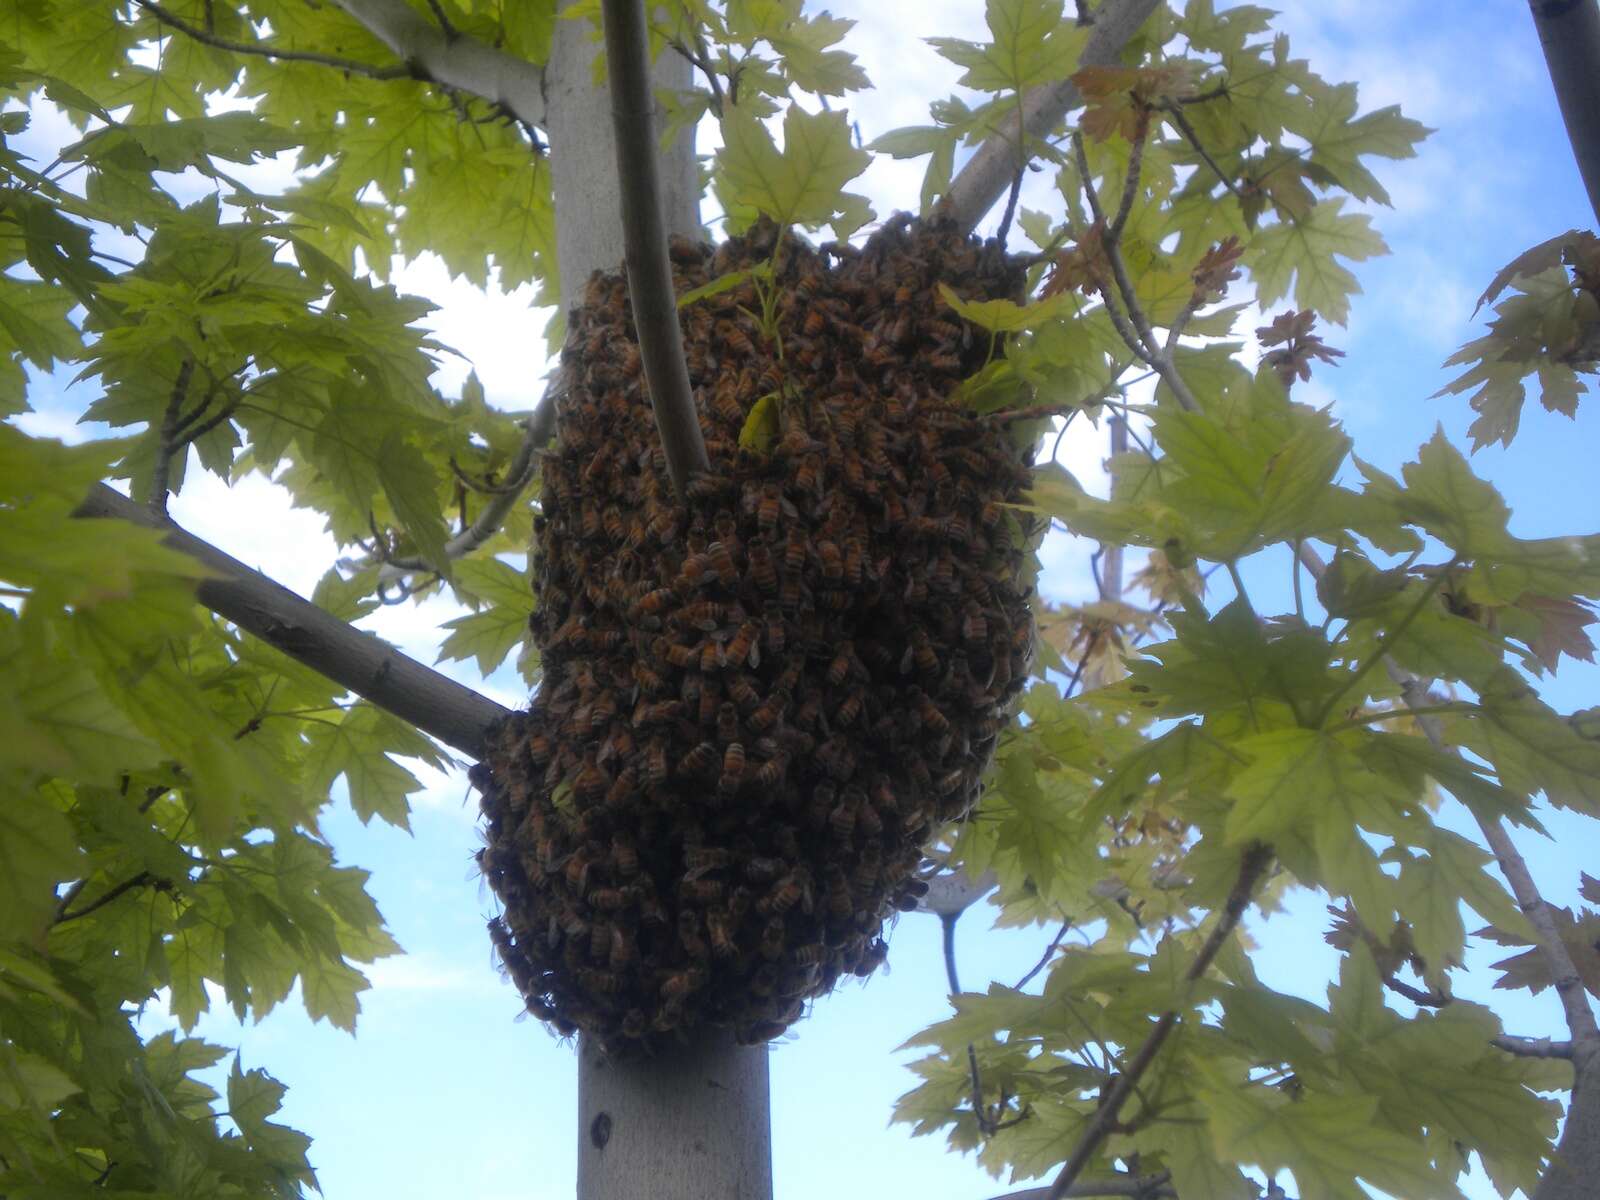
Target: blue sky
column 445, row 1093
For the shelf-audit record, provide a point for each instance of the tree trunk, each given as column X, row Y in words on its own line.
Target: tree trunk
column 1569, row 32
column 693, row 1124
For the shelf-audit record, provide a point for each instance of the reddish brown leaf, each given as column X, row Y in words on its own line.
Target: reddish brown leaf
column 1298, row 346
column 1561, row 624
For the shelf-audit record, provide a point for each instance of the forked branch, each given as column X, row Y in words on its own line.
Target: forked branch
column 989, row 172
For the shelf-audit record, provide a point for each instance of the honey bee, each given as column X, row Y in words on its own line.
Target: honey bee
column 693, row 571
column 931, row 714
column 648, row 681
column 849, row 709
column 698, row 762
column 711, row 658
column 790, row 890
column 842, row 820
column 602, row 983
column 656, row 763
column 870, row 822
column 770, row 773
column 832, row 561
column 744, row 647
column 743, row 694
column 609, row 899
column 839, row 668
column 764, row 980
column 727, row 722
column 922, row 651
column 809, row 477
column 706, row 615
column 974, row 628
column 689, row 937
column 823, row 798
column 652, row 603
column 767, row 714
column 773, row 939
column 624, row 857
column 732, row 770
column 789, row 594
column 700, row 859
column 722, row 563
column 762, row 870
column 591, row 783
column 769, row 508
column 949, row 781
column 776, row 634
column 702, row 891
column 736, row 339
column 710, row 701
column 705, row 486
column 679, row 985
column 720, row 929
column 725, row 402
column 794, row 553
column 762, row 572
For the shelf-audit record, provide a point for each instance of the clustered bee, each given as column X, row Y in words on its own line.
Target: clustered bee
column 759, row 701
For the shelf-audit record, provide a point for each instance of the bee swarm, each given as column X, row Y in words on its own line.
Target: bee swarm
column 758, row 703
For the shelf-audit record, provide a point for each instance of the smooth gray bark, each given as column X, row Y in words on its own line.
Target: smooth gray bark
column 583, row 164
column 693, row 1124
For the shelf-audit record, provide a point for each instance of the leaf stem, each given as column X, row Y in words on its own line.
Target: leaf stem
column 1386, row 643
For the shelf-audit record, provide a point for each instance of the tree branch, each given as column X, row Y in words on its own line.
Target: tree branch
column 644, row 234
column 1136, row 1187
column 454, row 60
column 206, row 37
column 127, row 885
column 1569, row 32
column 1534, row 1047
column 988, row 173
column 368, row 666
column 1145, row 346
column 1251, row 869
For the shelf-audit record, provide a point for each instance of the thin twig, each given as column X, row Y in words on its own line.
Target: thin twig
column 1105, row 1121
column 980, row 1112
column 1421, row 997
column 127, row 885
column 655, row 306
column 1534, row 1047
column 1044, row 958
column 371, row 71
column 1182, row 122
column 161, row 475
column 1144, row 346
column 1130, row 184
column 522, row 468
column 439, row 15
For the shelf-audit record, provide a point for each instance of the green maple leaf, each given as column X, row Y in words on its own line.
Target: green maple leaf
column 1339, row 139
column 1306, row 251
column 1033, row 44
column 1327, row 1141
column 802, row 183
